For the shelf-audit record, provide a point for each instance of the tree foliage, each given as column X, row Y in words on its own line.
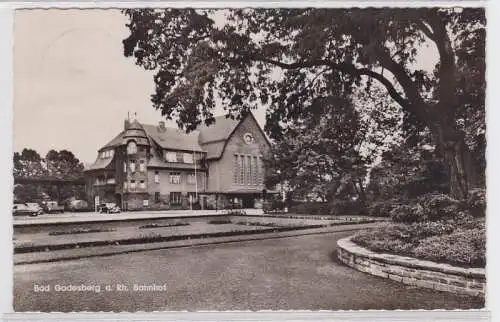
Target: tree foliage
column 407, row 172
column 288, row 58
column 57, row 165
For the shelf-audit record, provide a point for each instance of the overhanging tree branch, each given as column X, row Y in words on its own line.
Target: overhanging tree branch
column 342, row 67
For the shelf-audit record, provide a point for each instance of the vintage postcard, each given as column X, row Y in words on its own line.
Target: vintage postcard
column 185, row 159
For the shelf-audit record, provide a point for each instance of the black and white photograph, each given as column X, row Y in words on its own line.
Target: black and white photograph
column 249, row 159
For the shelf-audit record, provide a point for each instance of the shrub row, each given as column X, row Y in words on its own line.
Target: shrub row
column 337, row 208
column 438, row 206
column 457, row 243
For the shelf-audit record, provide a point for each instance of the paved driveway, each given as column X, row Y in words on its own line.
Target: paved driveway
column 297, row 273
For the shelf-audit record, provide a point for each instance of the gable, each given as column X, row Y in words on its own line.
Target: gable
column 237, row 144
column 218, row 131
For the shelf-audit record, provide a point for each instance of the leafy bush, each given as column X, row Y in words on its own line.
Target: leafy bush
column 273, row 205
column 347, row 208
column 81, row 231
column 422, row 230
column 440, row 241
column 381, row 208
column 390, row 238
column 311, row 208
column 474, row 223
column 464, row 247
column 408, row 213
column 220, row 221
column 439, row 206
column 156, row 225
column 476, row 202
column 249, row 223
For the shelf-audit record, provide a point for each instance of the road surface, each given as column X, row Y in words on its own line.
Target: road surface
column 296, row 273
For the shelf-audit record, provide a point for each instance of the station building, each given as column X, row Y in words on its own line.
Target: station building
column 157, row 167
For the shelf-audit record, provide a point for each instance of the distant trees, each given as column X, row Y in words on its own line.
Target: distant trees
column 56, row 165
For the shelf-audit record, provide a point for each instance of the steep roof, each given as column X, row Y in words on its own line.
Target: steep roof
column 210, row 139
column 116, row 141
column 218, row 131
column 99, row 164
column 174, row 139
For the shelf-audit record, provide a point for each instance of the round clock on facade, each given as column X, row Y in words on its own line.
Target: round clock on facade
column 248, row 138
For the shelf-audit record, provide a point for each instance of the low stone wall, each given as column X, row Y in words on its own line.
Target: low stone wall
column 411, row 271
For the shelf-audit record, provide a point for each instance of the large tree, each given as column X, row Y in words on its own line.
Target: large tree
column 63, row 165
column 328, row 153
column 287, row 58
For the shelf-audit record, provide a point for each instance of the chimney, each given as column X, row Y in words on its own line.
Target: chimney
column 126, row 124
column 161, row 126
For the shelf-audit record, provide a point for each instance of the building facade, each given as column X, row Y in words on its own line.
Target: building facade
column 156, row 167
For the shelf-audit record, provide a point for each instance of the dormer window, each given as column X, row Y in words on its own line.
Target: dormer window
column 188, row 158
column 131, row 147
column 107, row 154
column 170, row 156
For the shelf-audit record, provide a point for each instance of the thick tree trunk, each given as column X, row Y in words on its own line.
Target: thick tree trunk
column 358, row 186
column 456, row 156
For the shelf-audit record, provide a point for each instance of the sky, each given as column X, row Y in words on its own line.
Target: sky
column 73, row 87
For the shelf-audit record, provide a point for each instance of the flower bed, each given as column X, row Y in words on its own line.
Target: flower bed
column 81, row 231
column 155, row 225
column 462, row 244
column 434, row 227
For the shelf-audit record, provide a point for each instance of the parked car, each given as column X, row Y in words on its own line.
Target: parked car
column 108, row 208
column 29, row 209
column 52, row 207
column 77, row 205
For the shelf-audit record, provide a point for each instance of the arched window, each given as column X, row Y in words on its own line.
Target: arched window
column 131, row 147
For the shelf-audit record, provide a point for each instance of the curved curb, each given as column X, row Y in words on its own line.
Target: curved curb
column 412, row 271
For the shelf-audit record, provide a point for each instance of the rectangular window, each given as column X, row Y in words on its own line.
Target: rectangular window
column 188, row 158
column 260, row 169
column 255, row 170
column 132, row 184
column 175, row 177
column 242, row 169
column 125, row 167
column 142, row 166
column 157, row 177
column 124, row 185
column 180, row 157
column 132, row 166
column 175, row 198
column 170, row 156
column 249, row 168
column 191, row 178
column 236, row 169
column 145, row 202
column 157, row 197
column 142, row 184
column 110, row 180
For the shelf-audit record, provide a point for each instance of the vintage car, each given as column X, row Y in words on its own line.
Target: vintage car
column 77, row 205
column 108, row 208
column 29, row 209
column 52, row 207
